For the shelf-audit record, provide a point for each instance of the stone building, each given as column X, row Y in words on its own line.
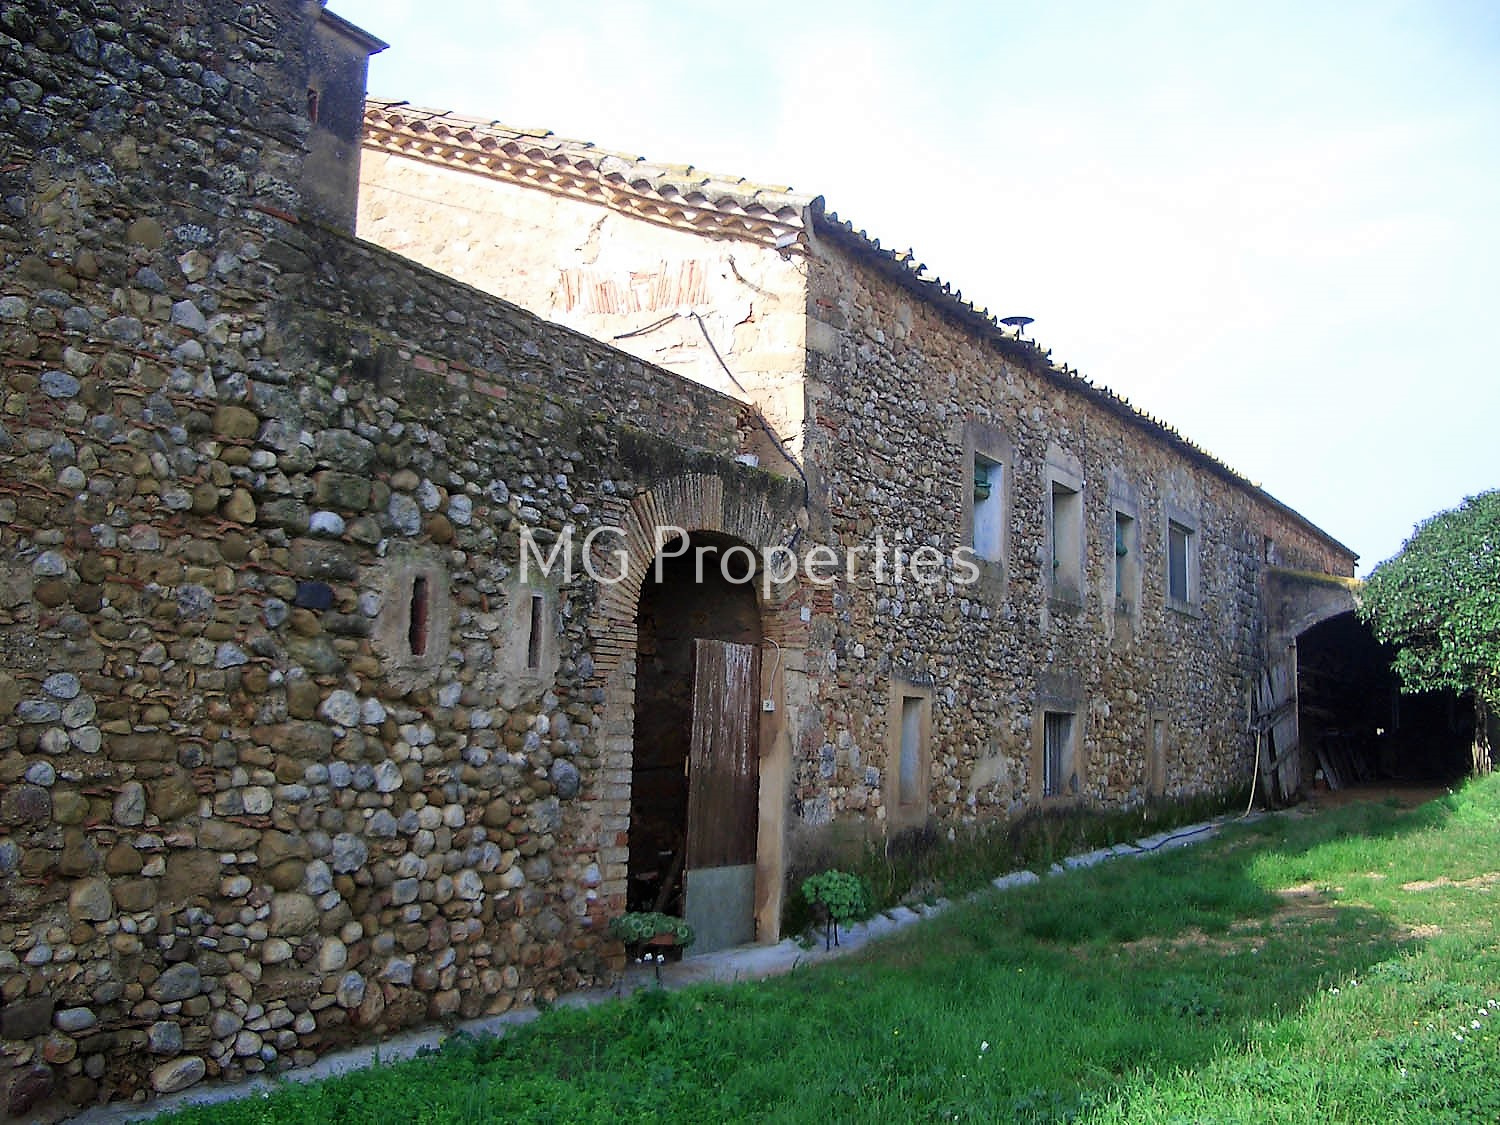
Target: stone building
column 339, row 690
column 1129, row 589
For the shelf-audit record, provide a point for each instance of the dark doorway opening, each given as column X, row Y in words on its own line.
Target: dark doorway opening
column 708, row 595
column 1358, row 728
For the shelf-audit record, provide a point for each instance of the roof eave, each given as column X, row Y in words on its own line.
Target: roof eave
column 369, row 43
column 1039, row 360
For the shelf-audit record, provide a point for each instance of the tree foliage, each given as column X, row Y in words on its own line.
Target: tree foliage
column 1438, row 602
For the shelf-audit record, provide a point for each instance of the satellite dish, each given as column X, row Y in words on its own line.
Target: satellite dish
column 1019, row 323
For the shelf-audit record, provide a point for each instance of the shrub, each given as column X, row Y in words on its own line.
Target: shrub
column 840, row 896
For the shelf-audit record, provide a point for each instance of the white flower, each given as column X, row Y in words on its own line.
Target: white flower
column 1475, row 1024
column 984, row 1046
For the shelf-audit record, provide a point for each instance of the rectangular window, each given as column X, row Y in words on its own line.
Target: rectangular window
column 1179, row 561
column 416, row 621
column 1066, row 534
column 909, row 780
column 908, row 754
column 989, row 507
column 1059, row 778
column 1124, row 556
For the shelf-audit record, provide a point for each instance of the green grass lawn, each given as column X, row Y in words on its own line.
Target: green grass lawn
column 1340, row 967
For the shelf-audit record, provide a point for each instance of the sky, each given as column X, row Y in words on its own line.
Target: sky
column 1276, row 226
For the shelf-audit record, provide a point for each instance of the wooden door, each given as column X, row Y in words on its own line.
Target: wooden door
column 723, row 794
column 1276, row 723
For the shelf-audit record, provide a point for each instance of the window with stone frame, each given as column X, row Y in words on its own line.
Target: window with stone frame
column 412, row 629
column 987, row 478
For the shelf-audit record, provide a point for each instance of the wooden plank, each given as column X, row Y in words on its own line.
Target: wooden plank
column 724, row 761
column 1267, row 772
column 1330, row 774
column 1276, row 717
column 1291, row 770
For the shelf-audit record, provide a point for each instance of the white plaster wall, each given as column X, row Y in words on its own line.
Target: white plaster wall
column 605, row 274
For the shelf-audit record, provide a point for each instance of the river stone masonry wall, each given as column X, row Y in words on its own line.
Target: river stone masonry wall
column 913, row 390
column 261, row 790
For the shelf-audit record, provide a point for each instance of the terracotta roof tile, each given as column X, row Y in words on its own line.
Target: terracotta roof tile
column 677, row 195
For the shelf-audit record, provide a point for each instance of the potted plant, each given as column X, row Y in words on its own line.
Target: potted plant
column 647, row 933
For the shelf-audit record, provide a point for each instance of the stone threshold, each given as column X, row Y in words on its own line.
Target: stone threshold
column 727, row 966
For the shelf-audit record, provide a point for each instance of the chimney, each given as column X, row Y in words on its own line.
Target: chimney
column 338, row 60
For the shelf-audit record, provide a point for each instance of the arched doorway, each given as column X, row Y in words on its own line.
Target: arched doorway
column 695, row 779
column 1358, row 727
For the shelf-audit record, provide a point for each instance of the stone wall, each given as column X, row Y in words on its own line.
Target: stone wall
column 901, row 397
column 280, row 764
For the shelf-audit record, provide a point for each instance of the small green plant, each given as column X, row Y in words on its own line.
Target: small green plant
column 839, row 896
column 642, row 929
column 638, row 927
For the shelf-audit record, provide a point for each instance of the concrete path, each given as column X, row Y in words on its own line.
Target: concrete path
column 750, row 962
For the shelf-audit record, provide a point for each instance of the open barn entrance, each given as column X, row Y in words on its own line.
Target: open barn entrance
column 695, row 781
column 1355, row 726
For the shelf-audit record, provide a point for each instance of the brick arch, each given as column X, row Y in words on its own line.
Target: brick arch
column 697, row 502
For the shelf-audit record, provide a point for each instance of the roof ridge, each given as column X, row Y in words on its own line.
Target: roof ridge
column 680, row 195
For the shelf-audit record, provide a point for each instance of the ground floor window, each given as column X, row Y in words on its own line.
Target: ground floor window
column 911, row 727
column 1059, row 772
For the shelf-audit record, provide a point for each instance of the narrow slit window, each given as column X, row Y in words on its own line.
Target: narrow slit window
column 418, row 615
column 1123, row 533
column 534, row 632
column 911, row 749
column 1059, row 777
column 1157, row 772
column 313, row 97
